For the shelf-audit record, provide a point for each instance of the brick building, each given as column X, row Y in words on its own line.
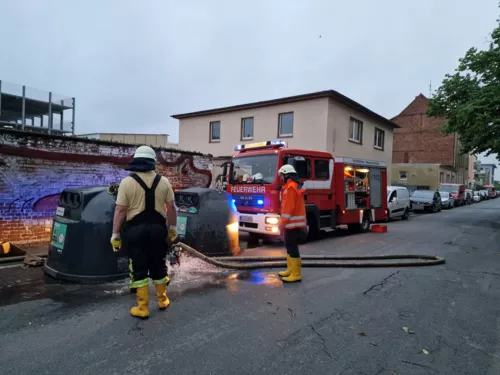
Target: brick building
column 419, row 140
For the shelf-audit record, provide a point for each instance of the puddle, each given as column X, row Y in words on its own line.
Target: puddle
column 192, row 277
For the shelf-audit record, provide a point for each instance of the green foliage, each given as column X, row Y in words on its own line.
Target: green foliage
column 469, row 99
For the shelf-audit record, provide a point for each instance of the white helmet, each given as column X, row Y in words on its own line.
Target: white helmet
column 145, row 152
column 287, row 169
column 258, row 176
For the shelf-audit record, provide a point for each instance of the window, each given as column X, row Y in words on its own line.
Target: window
column 285, row 126
column 379, row 139
column 303, row 168
column 403, row 176
column 322, row 169
column 259, row 169
column 393, row 195
column 215, row 131
column 247, row 128
column 441, row 177
column 355, row 131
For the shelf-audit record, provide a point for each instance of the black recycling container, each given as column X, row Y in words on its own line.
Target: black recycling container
column 207, row 220
column 80, row 249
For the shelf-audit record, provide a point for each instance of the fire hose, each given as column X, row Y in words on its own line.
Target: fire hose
column 315, row 261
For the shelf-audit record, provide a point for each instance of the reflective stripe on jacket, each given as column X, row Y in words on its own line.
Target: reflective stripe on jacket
column 293, row 208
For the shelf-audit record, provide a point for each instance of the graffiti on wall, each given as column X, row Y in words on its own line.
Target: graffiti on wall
column 181, row 172
column 31, row 181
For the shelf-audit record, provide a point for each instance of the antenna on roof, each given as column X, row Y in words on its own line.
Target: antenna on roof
column 430, row 89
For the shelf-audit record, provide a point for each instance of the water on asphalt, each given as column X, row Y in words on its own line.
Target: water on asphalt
column 337, row 321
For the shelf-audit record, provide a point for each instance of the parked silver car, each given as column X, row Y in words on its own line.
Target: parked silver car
column 477, row 196
column 447, row 201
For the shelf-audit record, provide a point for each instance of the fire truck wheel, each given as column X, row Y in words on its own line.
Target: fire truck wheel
column 362, row 227
column 253, row 238
column 313, row 231
column 365, row 224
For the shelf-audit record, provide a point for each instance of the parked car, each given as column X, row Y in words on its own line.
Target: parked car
column 457, row 191
column 484, row 195
column 426, row 200
column 447, row 201
column 491, row 191
column 476, row 197
column 398, row 202
column 468, row 196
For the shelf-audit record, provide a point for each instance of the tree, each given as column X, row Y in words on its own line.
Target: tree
column 469, row 99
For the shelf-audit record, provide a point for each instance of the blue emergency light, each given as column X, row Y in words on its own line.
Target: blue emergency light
column 275, row 143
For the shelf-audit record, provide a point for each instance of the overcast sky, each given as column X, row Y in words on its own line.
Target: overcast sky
column 131, row 66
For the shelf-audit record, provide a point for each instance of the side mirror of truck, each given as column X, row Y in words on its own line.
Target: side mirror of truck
column 224, row 169
column 394, row 200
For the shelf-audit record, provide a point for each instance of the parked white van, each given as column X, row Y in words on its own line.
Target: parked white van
column 398, row 202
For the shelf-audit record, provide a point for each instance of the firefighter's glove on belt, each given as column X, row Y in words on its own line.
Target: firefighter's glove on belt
column 116, row 242
column 172, row 234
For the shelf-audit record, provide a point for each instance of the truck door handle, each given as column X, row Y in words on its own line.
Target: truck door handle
column 329, row 197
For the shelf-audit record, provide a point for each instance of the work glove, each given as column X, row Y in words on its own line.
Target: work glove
column 172, row 234
column 116, row 242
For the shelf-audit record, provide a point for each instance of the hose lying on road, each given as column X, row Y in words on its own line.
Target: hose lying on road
column 256, row 262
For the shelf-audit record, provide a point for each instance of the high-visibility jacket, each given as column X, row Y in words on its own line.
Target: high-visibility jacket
column 293, row 208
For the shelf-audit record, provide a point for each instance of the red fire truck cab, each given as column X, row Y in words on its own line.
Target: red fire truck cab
column 338, row 191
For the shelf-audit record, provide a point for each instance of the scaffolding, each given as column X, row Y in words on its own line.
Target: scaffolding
column 28, row 109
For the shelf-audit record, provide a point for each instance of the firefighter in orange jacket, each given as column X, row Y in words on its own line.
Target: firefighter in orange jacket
column 293, row 221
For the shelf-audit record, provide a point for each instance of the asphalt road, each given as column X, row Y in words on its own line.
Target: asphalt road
column 337, row 321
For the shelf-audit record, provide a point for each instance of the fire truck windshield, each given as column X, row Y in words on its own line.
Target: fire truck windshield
column 258, row 169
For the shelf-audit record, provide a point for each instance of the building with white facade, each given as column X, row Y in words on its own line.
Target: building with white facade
column 324, row 121
column 488, row 171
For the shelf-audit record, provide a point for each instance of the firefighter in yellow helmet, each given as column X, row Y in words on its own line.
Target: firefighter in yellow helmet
column 292, row 221
column 140, row 223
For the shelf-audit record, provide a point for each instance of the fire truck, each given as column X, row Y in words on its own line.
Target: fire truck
column 338, row 191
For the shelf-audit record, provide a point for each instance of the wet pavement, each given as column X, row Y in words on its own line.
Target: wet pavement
column 337, row 321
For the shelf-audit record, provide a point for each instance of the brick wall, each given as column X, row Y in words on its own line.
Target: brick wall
column 420, row 140
column 35, row 168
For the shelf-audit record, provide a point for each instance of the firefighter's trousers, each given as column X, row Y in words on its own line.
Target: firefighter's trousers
column 146, row 246
column 292, row 237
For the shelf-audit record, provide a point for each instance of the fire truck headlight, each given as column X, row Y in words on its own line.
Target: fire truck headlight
column 275, row 230
column 272, row 220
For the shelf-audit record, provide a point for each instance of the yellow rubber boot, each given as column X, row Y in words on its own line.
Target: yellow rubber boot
column 288, row 270
column 161, row 293
column 296, row 274
column 141, row 310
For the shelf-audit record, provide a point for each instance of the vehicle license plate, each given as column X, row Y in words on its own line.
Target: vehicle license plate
column 246, row 219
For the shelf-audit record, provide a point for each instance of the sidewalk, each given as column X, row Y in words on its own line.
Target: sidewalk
column 16, row 275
